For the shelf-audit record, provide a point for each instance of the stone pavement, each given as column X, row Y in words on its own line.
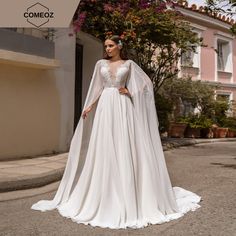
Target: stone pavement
column 207, row 169
column 40, row 171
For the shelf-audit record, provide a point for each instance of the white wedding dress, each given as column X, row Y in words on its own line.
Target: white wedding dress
column 116, row 174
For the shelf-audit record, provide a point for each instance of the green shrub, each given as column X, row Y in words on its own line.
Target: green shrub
column 196, row 121
column 229, row 122
column 164, row 108
column 221, row 107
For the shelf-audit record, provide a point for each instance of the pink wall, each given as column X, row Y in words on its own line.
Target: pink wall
column 234, row 61
column 208, row 56
column 209, row 29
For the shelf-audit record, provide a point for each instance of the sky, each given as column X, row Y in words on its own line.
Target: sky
column 202, row 3
column 197, row 2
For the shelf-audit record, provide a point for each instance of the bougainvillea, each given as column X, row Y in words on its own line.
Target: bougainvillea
column 153, row 32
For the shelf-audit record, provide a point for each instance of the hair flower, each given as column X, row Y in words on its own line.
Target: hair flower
column 120, row 43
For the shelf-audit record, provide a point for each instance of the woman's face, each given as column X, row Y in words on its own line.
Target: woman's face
column 112, row 49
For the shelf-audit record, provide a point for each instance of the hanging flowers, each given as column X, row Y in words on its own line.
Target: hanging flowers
column 79, row 22
column 101, row 16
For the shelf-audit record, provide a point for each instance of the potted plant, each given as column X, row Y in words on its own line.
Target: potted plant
column 230, row 123
column 206, row 127
column 177, row 129
column 231, row 133
column 197, row 124
column 221, row 107
column 220, row 132
column 187, row 97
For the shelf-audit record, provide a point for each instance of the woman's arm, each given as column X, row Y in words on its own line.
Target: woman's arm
column 124, row 91
column 86, row 111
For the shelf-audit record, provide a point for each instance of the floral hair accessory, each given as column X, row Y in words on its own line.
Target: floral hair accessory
column 120, row 43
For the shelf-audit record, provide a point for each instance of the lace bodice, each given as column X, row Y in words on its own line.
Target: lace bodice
column 118, row 79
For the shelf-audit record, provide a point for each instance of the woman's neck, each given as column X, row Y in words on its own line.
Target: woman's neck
column 116, row 58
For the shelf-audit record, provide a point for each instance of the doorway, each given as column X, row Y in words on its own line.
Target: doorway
column 78, row 83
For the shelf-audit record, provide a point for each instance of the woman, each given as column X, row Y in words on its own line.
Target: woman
column 116, row 174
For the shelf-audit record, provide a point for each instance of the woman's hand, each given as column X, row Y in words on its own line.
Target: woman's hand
column 86, row 111
column 124, row 91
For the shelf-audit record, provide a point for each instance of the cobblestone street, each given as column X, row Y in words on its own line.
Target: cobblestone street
column 206, row 169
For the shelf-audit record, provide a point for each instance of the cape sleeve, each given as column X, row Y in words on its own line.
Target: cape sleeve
column 78, row 147
column 96, row 86
column 142, row 95
column 141, row 89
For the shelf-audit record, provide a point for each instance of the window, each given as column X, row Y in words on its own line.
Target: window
column 220, row 58
column 224, row 54
column 191, row 57
column 187, row 58
column 225, row 97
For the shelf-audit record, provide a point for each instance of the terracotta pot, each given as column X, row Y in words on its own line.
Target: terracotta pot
column 207, row 133
column 176, row 130
column 192, row 132
column 230, row 133
column 220, row 132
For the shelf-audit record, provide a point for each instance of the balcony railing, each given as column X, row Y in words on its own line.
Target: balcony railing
column 42, row 33
column 38, row 42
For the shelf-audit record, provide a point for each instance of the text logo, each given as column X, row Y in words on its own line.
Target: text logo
column 38, row 14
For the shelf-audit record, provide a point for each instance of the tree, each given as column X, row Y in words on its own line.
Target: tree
column 225, row 7
column 155, row 34
column 194, row 100
column 189, row 95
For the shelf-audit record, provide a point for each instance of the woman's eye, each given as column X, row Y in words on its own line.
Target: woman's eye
column 109, row 46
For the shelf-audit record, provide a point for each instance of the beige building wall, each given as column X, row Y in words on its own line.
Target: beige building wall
column 37, row 100
column 29, row 112
column 92, row 52
column 64, row 83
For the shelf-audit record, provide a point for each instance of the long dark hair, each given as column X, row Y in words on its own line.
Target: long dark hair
column 123, row 52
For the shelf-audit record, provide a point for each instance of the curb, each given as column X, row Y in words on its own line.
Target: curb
column 170, row 144
column 32, row 181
